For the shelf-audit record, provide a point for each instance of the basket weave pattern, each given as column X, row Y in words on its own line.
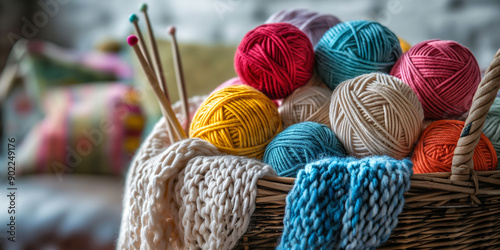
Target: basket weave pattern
column 457, row 210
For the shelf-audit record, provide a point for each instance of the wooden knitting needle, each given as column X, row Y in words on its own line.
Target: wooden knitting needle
column 156, row 56
column 181, row 86
column 164, row 102
column 134, row 20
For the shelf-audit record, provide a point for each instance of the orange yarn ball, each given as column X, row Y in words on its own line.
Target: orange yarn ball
column 238, row 120
column 434, row 150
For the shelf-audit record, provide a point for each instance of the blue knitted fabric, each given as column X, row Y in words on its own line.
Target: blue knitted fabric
column 345, row 203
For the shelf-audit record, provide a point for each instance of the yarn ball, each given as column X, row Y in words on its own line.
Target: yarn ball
column 275, row 58
column 492, row 127
column 444, row 74
column 354, row 48
column 308, row 103
column 376, row 114
column 405, row 46
column 312, row 23
column 434, row 150
column 238, row 120
column 300, row 144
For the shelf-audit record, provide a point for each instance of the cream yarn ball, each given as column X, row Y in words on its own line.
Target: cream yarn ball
column 376, row 114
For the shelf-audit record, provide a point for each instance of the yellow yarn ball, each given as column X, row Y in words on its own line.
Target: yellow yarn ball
column 405, row 46
column 238, row 120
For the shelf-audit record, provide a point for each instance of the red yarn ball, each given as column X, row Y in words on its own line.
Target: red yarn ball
column 443, row 74
column 275, row 58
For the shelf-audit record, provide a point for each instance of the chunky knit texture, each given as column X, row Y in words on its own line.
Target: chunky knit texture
column 345, row 203
column 187, row 196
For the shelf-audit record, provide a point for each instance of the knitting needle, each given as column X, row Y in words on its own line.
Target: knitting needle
column 181, row 86
column 156, row 56
column 132, row 41
column 134, row 20
column 164, row 102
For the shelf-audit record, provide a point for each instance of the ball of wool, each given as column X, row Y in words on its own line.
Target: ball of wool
column 434, row 150
column 275, row 58
column 376, row 114
column 405, row 46
column 492, row 128
column 238, row 120
column 300, row 144
column 444, row 74
column 308, row 103
column 354, row 48
column 312, row 23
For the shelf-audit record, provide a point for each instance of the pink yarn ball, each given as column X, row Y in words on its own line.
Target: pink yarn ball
column 443, row 74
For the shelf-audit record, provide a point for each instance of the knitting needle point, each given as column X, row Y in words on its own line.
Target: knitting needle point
column 134, row 19
column 156, row 56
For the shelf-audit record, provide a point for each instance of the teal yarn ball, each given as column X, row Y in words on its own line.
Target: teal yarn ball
column 355, row 48
column 300, row 144
column 492, row 127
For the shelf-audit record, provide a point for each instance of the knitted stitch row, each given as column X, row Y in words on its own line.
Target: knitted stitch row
column 345, row 203
column 187, row 196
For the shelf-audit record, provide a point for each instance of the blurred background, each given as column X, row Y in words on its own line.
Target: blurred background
column 75, row 100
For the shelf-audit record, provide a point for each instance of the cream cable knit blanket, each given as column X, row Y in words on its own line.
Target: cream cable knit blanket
column 188, row 196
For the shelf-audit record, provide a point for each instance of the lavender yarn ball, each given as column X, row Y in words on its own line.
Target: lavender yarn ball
column 312, row 23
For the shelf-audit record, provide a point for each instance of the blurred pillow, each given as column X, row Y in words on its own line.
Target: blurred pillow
column 50, row 66
column 90, row 128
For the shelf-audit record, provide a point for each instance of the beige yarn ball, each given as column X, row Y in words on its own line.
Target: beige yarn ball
column 308, row 103
column 376, row 114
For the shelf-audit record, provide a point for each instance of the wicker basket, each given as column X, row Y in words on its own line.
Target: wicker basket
column 457, row 210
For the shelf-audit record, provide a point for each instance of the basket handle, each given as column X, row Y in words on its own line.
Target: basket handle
column 485, row 95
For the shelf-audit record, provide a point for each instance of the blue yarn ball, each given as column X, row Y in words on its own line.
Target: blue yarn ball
column 300, row 144
column 355, row 48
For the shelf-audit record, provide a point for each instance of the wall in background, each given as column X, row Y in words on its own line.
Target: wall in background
column 81, row 23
